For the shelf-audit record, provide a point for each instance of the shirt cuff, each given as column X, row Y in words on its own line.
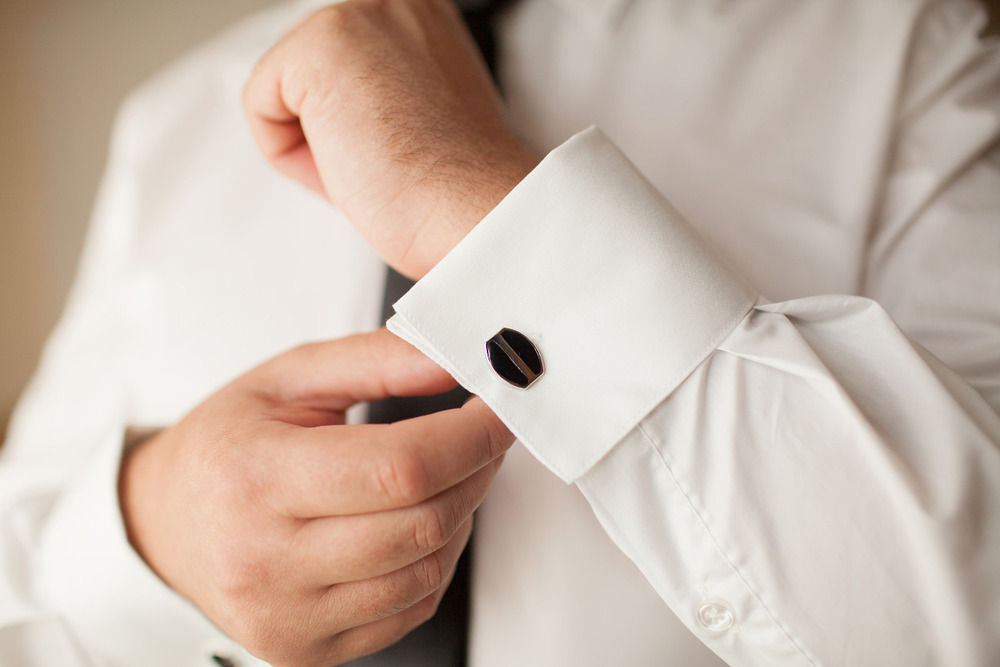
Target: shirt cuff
column 619, row 295
column 90, row 575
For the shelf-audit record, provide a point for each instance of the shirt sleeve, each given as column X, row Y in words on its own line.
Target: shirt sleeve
column 73, row 592
column 801, row 482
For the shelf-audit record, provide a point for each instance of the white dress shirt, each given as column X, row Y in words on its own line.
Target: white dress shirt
column 767, row 430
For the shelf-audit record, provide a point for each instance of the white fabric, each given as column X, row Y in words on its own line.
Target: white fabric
column 809, row 476
column 624, row 374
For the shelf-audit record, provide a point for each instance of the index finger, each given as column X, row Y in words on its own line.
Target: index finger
column 339, row 373
column 355, row 469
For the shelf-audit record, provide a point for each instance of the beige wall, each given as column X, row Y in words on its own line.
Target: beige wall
column 64, row 67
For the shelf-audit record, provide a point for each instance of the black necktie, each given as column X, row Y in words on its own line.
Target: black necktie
column 441, row 641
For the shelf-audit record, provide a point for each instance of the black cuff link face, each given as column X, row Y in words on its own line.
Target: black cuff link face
column 514, row 358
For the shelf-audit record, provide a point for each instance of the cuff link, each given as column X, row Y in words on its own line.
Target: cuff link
column 514, row 358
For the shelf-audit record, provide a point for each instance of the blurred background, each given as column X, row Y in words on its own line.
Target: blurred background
column 65, row 65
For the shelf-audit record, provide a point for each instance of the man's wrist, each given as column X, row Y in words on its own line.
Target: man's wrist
column 472, row 193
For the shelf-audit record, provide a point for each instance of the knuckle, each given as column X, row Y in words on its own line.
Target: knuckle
column 431, row 530
column 330, row 15
column 403, row 478
column 337, row 20
column 429, row 572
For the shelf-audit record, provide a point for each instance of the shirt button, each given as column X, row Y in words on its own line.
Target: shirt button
column 716, row 616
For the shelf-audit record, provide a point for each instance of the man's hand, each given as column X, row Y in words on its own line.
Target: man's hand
column 386, row 107
column 309, row 541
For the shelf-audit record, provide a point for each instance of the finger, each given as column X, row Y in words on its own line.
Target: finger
column 377, row 635
column 337, row 374
column 338, row 470
column 272, row 104
column 357, row 547
column 313, row 643
column 360, row 602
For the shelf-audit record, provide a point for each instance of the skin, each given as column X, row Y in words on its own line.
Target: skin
column 386, row 108
column 309, row 541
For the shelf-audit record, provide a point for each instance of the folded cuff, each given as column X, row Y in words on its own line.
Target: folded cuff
column 619, row 295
